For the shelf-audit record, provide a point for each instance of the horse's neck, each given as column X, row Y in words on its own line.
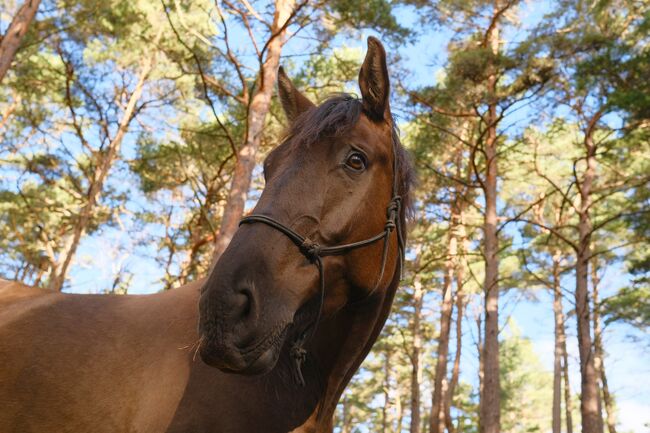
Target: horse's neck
column 340, row 346
column 335, row 353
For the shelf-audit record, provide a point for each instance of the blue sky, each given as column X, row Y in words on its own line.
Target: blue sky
column 627, row 366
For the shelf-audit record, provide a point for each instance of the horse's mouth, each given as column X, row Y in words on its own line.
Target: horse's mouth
column 257, row 358
column 262, row 356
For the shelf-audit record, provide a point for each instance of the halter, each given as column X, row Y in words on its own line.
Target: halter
column 315, row 252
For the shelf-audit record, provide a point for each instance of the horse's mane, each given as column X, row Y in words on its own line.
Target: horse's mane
column 334, row 117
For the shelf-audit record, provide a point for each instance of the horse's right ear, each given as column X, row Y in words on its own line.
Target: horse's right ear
column 293, row 102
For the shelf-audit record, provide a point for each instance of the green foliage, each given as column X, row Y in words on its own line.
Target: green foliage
column 525, row 386
column 375, row 14
column 631, row 305
column 67, row 118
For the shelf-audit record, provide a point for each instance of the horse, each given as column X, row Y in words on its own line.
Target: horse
column 268, row 342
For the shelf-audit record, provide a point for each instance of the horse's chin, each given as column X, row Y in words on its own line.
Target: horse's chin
column 256, row 362
column 264, row 363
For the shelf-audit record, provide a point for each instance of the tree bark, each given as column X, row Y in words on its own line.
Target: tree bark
column 481, row 368
column 599, row 354
column 105, row 162
column 385, row 421
column 440, row 384
column 13, row 37
column 462, row 196
column 416, row 373
column 9, row 110
column 455, row 373
column 560, row 343
column 257, row 111
column 568, row 402
column 399, row 409
column 490, row 406
column 591, row 417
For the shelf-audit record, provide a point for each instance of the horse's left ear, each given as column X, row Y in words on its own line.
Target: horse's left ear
column 374, row 83
column 293, row 102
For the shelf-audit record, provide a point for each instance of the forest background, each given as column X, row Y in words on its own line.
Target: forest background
column 131, row 137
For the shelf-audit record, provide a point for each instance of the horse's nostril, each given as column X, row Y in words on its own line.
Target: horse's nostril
column 243, row 303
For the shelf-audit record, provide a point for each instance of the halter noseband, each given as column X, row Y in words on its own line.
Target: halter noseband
column 314, row 252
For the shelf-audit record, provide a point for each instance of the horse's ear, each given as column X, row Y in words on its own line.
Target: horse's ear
column 293, row 102
column 373, row 81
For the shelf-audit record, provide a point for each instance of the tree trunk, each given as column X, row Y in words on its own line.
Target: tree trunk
column 416, row 373
column 455, row 373
column 399, row 409
column 568, row 402
column 463, row 247
column 104, row 164
column 560, row 343
column 385, row 421
column 9, row 110
column 440, row 384
column 257, row 111
column 13, row 37
column 481, row 368
column 591, row 417
column 599, row 355
column 490, row 406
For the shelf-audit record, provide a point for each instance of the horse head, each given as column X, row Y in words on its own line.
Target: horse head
column 325, row 233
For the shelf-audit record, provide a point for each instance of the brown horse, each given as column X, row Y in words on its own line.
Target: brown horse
column 285, row 320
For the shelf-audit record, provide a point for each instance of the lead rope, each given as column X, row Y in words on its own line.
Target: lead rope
column 298, row 352
column 315, row 252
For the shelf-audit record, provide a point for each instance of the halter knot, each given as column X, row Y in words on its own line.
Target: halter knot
column 393, row 207
column 310, row 249
column 299, row 356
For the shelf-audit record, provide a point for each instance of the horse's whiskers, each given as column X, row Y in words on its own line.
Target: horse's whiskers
column 198, row 344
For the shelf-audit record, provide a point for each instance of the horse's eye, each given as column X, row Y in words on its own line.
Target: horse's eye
column 356, row 161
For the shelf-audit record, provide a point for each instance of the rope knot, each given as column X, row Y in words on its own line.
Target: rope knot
column 393, row 207
column 299, row 356
column 310, row 249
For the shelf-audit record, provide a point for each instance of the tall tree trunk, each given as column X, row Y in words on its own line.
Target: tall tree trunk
column 560, row 343
column 416, row 373
column 257, row 111
column 568, row 402
column 490, row 406
column 440, row 384
column 12, row 38
column 385, row 417
column 8, row 111
column 455, row 372
column 104, row 164
column 481, row 368
column 591, row 417
column 599, row 355
column 399, row 409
